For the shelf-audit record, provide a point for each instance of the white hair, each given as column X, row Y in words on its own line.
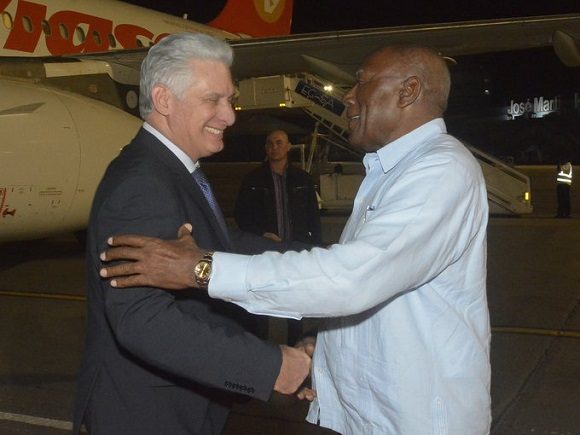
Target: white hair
column 169, row 63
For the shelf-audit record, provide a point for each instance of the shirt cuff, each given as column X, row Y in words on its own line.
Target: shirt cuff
column 228, row 279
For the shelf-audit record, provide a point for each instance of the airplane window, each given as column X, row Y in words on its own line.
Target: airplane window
column 80, row 35
column 132, row 99
column 7, row 20
column 62, row 29
column 112, row 41
column 46, row 28
column 27, row 23
column 96, row 37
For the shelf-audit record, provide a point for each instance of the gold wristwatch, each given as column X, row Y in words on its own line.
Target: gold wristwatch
column 202, row 270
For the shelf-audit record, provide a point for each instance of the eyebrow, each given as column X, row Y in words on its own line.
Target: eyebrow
column 219, row 95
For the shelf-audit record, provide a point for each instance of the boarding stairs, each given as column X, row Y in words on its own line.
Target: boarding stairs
column 508, row 190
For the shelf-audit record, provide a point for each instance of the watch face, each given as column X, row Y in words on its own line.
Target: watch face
column 203, row 270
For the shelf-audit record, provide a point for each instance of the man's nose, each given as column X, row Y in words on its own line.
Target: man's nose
column 228, row 114
column 348, row 98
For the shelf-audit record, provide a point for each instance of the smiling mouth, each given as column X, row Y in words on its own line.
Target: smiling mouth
column 215, row 131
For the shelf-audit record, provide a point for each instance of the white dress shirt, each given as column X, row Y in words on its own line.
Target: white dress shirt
column 407, row 351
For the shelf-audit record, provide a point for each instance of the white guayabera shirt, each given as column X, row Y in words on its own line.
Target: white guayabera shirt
column 407, row 348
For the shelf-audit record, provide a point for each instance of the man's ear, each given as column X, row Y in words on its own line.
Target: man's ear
column 410, row 91
column 161, row 96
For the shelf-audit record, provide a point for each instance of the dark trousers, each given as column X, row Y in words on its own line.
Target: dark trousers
column 563, row 194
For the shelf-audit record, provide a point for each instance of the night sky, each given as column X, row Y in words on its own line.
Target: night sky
column 326, row 15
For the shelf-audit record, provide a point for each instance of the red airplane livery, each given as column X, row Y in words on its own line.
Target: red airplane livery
column 61, row 27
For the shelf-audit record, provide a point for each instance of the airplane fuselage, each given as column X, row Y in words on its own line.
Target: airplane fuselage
column 61, row 27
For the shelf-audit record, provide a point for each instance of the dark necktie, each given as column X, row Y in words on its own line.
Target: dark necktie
column 203, row 184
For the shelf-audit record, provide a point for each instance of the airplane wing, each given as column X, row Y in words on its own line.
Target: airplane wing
column 336, row 55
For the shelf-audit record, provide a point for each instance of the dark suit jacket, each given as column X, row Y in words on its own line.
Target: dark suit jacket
column 255, row 209
column 158, row 362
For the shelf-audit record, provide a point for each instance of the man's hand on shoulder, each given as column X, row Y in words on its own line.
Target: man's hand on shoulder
column 152, row 262
column 295, row 368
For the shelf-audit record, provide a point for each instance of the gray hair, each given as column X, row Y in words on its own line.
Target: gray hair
column 168, row 63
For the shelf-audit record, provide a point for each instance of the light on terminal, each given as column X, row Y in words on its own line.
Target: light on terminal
column 328, row 88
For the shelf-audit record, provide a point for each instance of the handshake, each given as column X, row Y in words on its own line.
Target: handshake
column 296, row 366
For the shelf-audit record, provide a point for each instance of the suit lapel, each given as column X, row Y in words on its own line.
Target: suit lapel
column 163, row 154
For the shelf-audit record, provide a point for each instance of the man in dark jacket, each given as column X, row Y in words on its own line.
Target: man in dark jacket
column 278, row 200
column 157, row 362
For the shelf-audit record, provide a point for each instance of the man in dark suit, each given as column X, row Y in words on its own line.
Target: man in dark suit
column 158, row 362
column 278, row 200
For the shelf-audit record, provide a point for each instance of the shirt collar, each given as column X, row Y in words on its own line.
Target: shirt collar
column 183, row 158
column 392, row 153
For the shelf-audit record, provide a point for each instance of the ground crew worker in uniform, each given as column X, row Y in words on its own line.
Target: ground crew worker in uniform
column 563, row 183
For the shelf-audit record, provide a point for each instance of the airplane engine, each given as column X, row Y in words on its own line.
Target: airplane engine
column 54, row 150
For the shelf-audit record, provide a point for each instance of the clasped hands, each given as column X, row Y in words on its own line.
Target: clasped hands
column 295, row 371
column 305, row 392
column 168, row 264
